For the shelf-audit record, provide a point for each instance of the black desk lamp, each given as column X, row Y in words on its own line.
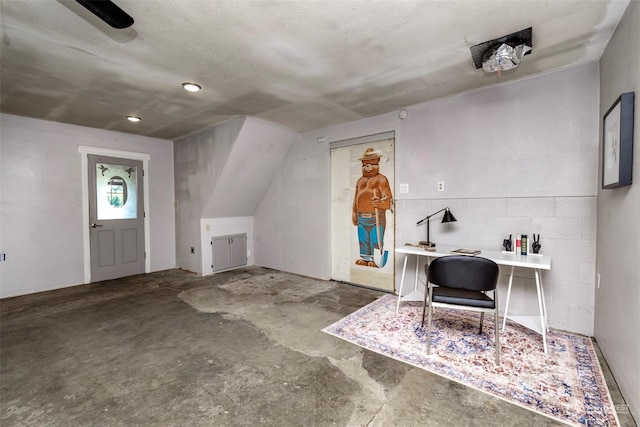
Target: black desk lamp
column 448, row 217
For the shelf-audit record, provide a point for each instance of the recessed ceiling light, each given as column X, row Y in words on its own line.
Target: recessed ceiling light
column 134, row 119
column 191, row 87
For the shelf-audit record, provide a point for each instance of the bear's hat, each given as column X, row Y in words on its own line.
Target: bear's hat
column 370, row 154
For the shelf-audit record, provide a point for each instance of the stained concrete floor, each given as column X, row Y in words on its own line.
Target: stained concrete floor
column 240, row 348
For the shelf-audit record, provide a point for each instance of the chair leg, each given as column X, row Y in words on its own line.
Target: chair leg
column 497, row 327
column 429, row 321
column 481, row 321
column 426, row 295
column 497, row 333
column 424, row 307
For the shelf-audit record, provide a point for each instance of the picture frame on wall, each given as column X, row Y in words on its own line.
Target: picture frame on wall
column 617, row 143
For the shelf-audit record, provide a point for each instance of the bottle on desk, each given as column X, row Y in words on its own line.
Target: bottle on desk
column 518, row 244
column 523, row 250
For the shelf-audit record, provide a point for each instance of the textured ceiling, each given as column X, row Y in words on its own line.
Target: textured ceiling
column 301, row 64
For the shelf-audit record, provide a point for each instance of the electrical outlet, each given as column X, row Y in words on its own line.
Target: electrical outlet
column 404, row 188
column 440, row 185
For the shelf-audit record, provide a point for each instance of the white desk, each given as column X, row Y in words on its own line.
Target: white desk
column 536, row 262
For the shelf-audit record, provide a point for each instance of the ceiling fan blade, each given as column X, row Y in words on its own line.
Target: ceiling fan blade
column 109, row 12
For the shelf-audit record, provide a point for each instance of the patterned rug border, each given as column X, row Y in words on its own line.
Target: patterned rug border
column 428, row 365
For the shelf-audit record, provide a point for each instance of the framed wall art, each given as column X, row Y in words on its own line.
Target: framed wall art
column 617, row 143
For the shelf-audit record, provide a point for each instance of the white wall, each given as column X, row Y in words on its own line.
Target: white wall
column 41, row 205
column 521, row 157
column 533, row 138
column 617, row 301
column 292, row 223
column 223, row 172
column 567, row 227
column 199, row 161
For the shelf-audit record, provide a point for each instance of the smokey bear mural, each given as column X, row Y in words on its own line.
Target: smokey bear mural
column 370, row 203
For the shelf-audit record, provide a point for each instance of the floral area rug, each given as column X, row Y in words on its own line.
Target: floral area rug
column 567, row 384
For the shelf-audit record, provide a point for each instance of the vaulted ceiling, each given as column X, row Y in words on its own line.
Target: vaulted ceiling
column 300, row 64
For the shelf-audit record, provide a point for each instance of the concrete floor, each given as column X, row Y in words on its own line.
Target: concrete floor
column 239, row 348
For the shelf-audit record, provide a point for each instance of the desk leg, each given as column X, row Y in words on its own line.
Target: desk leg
column 404, row 269
column 506, row 307
column 544, row 304
column 543, row 310
column 415, row 283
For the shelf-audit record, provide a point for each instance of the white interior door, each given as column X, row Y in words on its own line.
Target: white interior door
column 116, row 217
column 359, row 174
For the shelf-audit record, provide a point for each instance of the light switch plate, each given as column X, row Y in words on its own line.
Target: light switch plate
column 404, row 188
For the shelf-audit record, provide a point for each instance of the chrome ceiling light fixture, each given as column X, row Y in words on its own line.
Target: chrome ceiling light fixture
column 505, row 57
column 504, row 53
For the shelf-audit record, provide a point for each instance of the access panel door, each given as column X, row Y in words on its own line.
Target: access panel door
column 229, row 251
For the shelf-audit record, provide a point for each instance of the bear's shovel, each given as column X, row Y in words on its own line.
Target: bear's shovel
column 383, row 254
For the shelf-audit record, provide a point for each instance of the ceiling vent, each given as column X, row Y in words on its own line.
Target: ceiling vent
column 504, row 53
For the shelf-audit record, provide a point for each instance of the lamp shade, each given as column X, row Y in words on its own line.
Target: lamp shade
column 448, row 216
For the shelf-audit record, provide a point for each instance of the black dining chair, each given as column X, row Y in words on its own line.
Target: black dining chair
column 461, row 282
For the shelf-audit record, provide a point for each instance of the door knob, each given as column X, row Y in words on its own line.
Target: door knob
column 94, row 225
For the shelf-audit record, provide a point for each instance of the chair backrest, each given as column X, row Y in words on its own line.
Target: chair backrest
column 463, row 272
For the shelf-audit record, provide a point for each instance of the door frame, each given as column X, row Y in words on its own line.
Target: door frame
column 84, row 152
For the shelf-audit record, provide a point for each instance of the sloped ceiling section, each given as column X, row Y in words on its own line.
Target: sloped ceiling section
column 199, row 161
column 253, row 161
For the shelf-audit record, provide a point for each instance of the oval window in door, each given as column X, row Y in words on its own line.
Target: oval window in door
column 117, row 192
